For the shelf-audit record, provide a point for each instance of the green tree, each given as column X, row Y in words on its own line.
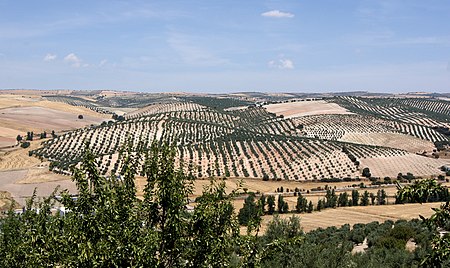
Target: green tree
column 365, row 199
column 310, row 207
column 439, row 256
column 270, row 204
column 381, row 197
column 355, row 197
column 343, row 199
column 302, row 204
column 262, row 203
column 366, row 172
column 372, row 198
column 330, row 199
column 250, row 211
column 283, row 206
column 421, row 192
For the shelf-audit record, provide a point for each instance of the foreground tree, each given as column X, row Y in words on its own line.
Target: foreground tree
column 106, row 225
column 421, row 192
column 439, row 224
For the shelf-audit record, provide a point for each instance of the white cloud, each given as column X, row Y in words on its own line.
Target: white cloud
column 50, row 57
column 281, row 64
column 73, row 60
column 277, row 14
column 102, row 63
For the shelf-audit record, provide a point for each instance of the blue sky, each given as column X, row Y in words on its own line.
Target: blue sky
column 226, row 46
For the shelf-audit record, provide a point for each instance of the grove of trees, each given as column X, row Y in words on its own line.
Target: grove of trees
column 106, row 225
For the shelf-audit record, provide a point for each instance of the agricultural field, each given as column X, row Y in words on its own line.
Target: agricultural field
column 353, row 215
column 293, row 142
column 23, row 113
column 304, row 108
column 297, row 139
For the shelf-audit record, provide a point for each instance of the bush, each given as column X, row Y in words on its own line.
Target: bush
column 25, row 144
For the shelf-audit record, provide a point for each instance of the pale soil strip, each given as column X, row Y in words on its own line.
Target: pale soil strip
column 392, row 140
column 391, row 166
column 303, row 108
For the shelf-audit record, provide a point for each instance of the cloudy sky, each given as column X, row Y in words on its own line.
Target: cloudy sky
column 226, row 46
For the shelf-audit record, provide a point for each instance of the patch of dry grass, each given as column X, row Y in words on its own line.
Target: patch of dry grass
column 19, row 159
column 352, row 215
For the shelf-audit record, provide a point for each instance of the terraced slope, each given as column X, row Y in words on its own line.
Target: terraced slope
column 368, row 130
column 415, row 116
column 240, row 143
column 214, row 139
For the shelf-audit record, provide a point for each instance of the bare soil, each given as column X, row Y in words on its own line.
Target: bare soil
column 303, row 108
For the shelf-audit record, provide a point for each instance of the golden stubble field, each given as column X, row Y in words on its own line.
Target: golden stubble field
column 22, row 113
column 352, row 215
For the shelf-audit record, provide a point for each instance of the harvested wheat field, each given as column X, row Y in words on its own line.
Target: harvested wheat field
column 392, row 165
column 10, row 182
column 270, row 187
column 392, row 140
column 41, row 174
column 40, row 119
column 12, row 101
column 303, row 108
column 353, row 215
column 6, row 201
column 18, row 158
column 20, row 114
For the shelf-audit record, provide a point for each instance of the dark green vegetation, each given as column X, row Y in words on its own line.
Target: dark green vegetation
column 108, row 226
column 253, row 207
column 421, row 192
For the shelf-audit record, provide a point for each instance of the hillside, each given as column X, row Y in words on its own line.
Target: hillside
column 261, row 135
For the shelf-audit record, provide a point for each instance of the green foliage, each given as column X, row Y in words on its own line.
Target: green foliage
column 30, row 136
column 302, row 204
column 279, row 229
column 365, row 199
column 439, row 256
column 25, row 144
column 108, row 226
column 366, row 172
column 283, row 206
column 423, row 191
column 270, row 204
column 250, row 212
column 355, row 197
